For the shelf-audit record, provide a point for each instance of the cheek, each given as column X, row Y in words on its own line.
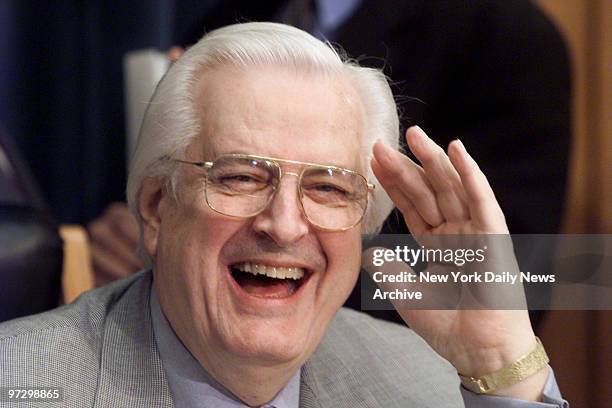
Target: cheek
column 193, row 229
column 191, row 239
column 187, row 271
column 343, row 252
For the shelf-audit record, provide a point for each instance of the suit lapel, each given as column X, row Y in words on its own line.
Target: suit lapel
column 308, row 397
column 131, row 372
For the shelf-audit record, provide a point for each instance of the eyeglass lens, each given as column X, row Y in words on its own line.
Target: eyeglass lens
column 243, row 186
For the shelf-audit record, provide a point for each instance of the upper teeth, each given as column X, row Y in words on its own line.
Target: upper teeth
column 279, row 272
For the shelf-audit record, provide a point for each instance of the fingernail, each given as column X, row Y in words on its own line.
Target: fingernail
column 460, row 145
column 464, row 151
column 421, row 132
column 419, row 136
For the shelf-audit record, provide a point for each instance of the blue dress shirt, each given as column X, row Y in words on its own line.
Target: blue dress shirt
column 191, row 386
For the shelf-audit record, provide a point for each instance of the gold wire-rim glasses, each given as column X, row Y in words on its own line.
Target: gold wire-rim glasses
column 276, row 162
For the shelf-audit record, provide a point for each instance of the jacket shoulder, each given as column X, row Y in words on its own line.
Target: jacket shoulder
column 62, row 347
column 86, row 314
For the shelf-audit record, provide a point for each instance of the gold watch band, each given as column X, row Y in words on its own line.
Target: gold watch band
column 524, row 367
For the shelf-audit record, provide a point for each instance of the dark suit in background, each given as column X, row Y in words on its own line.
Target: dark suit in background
column 494, row 74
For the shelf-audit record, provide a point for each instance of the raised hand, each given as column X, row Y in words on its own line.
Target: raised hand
column 450, row 195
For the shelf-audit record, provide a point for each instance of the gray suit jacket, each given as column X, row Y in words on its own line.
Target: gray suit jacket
column 102, row 351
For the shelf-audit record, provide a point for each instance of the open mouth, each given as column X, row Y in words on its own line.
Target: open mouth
column 266, row 281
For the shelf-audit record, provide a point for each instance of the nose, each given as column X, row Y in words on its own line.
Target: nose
column 283, row 220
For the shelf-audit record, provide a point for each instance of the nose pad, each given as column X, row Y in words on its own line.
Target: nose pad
column 283, row 219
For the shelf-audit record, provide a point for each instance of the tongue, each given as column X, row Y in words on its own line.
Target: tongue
column 261, row 286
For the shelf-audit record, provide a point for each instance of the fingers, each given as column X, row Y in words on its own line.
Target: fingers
column 416, row 224
column 107, row 267
column 114, row 238
column 483, row 206
column 446, row 189
column 441, row 174
column 122, row 219
column 407, row 186
column 175, row 53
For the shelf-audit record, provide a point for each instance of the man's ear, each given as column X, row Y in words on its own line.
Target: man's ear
column 149, row 205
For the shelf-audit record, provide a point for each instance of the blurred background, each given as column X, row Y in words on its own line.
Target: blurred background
column 582, row 340
column 63, row 110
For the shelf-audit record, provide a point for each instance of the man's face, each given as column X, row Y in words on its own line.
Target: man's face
column 219, row 312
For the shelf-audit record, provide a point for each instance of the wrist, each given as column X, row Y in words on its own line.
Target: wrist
column 485, row 360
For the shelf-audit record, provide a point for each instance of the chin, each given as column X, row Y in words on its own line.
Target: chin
column 269, row 343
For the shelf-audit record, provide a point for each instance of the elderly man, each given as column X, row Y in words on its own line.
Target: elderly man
column 255, row 176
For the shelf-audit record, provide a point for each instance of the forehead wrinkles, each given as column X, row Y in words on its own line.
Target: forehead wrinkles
column 278, row 100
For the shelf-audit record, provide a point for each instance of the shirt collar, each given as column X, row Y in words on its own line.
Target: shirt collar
column 190, row 384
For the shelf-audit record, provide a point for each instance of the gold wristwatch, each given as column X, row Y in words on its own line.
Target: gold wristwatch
column 524, row 367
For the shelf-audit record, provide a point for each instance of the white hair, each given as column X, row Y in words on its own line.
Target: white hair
column 171, row 121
